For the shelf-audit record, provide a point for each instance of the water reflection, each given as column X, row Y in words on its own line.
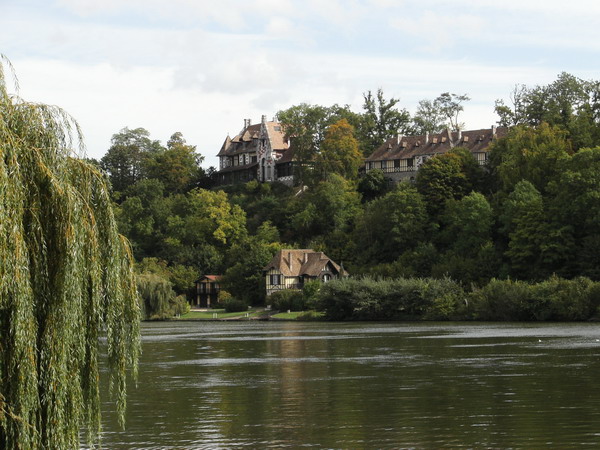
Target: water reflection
column 206, row 385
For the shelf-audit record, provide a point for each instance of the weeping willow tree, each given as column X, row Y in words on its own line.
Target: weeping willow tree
column 66, row 282
column 159, row 300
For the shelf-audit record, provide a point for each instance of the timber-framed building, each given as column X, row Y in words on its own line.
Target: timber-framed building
column 259, row 152
column 290, row 269
column 207, row 291
column 399, row 158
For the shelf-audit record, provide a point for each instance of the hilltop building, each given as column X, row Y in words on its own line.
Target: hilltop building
column 290, row 269
column 400, row 158
column 259, row 152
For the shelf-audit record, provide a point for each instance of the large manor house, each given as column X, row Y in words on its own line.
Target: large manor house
column 262, row 152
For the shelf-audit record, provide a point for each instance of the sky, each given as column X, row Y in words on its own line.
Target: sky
column 201, row 67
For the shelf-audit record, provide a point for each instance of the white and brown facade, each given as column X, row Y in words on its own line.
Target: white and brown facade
column 399, row 158
column 290, row 269
column 259, row 152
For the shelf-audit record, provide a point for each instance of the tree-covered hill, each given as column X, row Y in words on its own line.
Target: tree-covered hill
column 532, row 212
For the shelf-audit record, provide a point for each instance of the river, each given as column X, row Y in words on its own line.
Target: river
column 362, row 385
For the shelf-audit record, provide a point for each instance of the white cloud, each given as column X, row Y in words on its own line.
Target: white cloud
column 440, row 31
column 201, row 67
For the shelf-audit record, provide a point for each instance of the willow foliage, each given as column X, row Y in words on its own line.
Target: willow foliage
column 65, row 282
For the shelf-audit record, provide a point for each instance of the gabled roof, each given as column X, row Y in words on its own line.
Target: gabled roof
column 404, row 147
column 277, row 136
column 295, row 263
column 214, row 278
column 247, row 139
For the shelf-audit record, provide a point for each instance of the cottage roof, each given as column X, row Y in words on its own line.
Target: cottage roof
column 214, row 278
column 404, row 147
column 294, row 263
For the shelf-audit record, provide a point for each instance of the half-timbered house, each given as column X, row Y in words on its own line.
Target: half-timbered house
column 290, row 269
column 259, row 152
column 399, row 158
column 207, row 290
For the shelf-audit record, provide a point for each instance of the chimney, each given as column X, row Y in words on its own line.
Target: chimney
column 305, row 258
column 493, row 131
column 263, row 119
column 426, row 137
column 459, row 135
column 289, row 256
column 399, row 138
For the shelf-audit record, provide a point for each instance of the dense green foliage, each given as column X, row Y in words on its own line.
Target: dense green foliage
column 569, row 102
column 444, row 299
column 531, row 212
column 292, row 300
column 287, row 300
column 66, row 281
column 234, row 305
column 159, row 300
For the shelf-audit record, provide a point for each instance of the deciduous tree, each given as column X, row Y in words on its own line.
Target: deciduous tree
column 65, row 281
column 339, row 152
column 382, row 120
column 127, row 158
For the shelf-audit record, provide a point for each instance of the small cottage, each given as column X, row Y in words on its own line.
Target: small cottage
column 290, row 269
column 207, row 290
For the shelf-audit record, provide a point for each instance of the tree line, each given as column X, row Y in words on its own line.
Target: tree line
column 532, row 212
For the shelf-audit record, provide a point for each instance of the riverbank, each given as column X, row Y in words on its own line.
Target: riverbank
column 257, row 313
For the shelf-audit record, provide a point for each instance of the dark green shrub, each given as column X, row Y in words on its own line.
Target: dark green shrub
column 503, row 300
column 234, row 305
column 287, row 299
column 446, row 300
column 402, row 298
column 565, row 299
column 310, row 293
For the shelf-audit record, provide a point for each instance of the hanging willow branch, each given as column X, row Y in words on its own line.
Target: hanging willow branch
column 65, row 281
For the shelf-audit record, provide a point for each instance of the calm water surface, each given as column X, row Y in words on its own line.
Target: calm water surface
column 285, row 384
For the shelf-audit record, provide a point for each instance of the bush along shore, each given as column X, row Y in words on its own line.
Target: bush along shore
column 555, row 299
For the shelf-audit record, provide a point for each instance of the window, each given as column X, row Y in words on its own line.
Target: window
column 410, row 162
column 396, row 163
column 276, row 280
column 326, row 277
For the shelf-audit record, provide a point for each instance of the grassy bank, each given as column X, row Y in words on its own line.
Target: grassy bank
column 218, row 314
